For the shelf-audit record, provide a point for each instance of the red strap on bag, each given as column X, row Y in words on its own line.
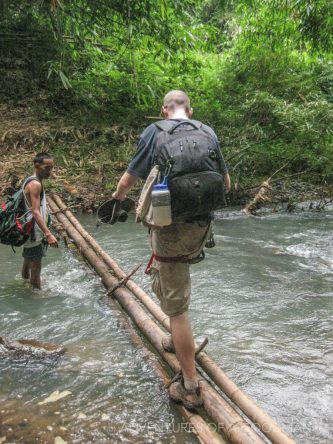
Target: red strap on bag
column 147, row 270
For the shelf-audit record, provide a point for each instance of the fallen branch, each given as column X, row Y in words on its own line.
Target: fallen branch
column 123, row 281
column 263, row 195
column 321, row 205
column 275, row 180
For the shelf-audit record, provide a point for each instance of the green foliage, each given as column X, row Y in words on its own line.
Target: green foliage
column 259, row 71
column 272, row 109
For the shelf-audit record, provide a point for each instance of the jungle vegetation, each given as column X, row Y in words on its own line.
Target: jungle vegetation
column 260, row 72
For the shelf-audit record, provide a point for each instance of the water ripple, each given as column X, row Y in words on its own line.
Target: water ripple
column 263, row 296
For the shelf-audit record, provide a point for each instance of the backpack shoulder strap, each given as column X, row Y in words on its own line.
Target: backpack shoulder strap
column 197, row 123
column 28, row 180
column 164, row 125
column 170, row 126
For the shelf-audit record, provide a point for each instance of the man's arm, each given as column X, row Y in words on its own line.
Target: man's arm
column 227, row 182
column 35, row 189
column 226, row 177
column 125, row 183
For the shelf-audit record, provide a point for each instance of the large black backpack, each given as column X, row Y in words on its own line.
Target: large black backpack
column 15, row 227
column 189, row 156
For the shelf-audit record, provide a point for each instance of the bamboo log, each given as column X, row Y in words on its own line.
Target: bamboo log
column 257, row 415
column 135, row 289
column 204, row 432
column 236, row 429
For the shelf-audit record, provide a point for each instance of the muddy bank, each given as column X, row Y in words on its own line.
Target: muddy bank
column 86, row 191
column 89, row 160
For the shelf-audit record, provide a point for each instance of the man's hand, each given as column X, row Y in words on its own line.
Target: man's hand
column 119, row 196
column 51, row 240
column 124, row 185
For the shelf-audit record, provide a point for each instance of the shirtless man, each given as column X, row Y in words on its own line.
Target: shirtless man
column 35, row 201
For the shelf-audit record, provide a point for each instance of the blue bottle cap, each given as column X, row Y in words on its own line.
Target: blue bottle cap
column 160, row 187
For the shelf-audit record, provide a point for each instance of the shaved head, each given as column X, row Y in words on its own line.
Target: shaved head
column 176, row 99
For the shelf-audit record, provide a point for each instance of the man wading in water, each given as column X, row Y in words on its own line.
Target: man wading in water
column 175, row 244
column 35, row 201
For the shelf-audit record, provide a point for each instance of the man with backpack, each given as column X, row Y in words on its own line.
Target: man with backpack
column 35, row 204
column 188, row 155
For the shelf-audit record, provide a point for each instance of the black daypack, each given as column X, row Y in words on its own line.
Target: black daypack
column 15, row 228
column 190, row 158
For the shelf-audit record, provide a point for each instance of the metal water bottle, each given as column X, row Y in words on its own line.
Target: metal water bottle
column 161, row 202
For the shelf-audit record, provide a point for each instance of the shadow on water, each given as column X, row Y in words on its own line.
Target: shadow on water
column 263, row 296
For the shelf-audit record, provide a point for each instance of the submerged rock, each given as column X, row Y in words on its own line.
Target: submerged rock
column 55, row 396
column 30, row 346
column 59, row 440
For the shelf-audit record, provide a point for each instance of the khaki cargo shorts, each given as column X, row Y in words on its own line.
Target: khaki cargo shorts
column 171, row 280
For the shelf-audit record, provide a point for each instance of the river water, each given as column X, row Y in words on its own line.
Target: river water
column 263, row 296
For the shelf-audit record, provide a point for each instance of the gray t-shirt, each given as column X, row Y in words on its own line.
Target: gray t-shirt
column 142, row 162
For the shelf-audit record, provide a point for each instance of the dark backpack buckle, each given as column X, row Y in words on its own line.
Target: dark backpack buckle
column 199, row 258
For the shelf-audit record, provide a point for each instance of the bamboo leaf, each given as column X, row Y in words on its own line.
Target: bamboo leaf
column 64, row 80
column 152, row 92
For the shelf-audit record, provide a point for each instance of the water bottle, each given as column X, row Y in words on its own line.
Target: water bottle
column 161, row 202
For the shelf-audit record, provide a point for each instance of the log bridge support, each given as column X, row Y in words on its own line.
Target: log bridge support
column 235, row 415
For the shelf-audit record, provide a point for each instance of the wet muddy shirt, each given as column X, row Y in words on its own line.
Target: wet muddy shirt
column 142, row 162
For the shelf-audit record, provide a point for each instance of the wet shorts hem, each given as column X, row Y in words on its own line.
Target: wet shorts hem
column 34, row 254
column 171, row 314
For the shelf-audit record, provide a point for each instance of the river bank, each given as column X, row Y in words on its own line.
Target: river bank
column 89, row 160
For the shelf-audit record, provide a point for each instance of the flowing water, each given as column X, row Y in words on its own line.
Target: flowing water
column 263, row 296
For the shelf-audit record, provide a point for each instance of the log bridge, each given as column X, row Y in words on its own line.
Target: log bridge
column 228, row 414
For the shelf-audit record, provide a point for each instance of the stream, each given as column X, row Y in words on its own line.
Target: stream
column 263, row 296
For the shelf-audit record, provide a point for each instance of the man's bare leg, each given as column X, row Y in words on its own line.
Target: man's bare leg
column 182, row 337
column 26, row 269
column 36, row 268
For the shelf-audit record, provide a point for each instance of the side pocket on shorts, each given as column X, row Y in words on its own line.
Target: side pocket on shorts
column 155, row 282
